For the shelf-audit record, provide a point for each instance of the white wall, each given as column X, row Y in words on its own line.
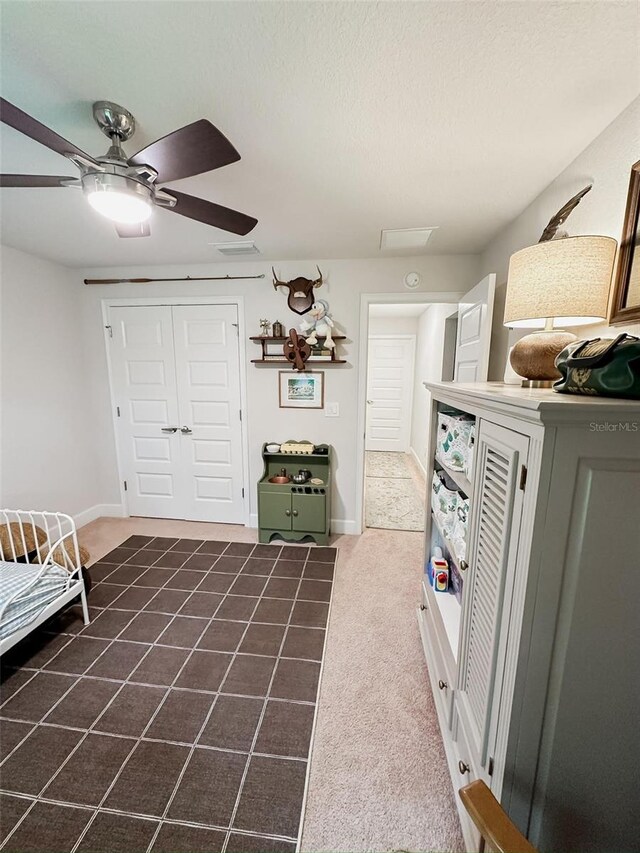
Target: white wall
column 346, row 281
column 606, row 163
column 429, row 352
column 47, row 447
column 393, row 326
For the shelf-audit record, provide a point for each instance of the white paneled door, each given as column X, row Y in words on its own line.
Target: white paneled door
column 176, row 381
column 475, row 316
column 389, row 392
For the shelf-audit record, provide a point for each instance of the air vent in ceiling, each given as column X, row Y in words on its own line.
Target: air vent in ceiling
column 246, row 247
column 405, row 238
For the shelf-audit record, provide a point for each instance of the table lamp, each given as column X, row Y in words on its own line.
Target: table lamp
column 552, row 285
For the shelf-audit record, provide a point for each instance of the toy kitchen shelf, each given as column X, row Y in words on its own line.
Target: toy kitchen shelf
column 290, row 510
column 271, row 359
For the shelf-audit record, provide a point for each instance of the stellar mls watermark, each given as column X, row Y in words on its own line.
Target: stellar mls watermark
column 614, row 426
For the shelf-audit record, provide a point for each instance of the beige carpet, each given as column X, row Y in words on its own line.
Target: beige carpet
column 378, row 779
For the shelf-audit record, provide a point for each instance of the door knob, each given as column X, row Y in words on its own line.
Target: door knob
column 169, row 429
column 463, row 565
column 185, row 430
column 295, row 512
column 462, row 767
column 370, row 402
column 287, row 512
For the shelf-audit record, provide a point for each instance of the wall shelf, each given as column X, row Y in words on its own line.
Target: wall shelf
column 310, row 360
column 270, row 358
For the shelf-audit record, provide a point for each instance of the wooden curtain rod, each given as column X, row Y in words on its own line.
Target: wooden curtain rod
column 187, row 278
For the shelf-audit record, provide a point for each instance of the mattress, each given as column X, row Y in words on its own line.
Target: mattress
column 16, row 578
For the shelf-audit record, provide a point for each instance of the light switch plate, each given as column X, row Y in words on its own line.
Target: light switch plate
column 332, row 410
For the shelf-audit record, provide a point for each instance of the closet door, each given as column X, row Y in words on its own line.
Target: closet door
column 208, row 381
column 144, row 383
column 500, row 455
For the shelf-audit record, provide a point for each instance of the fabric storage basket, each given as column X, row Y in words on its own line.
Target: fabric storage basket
column 444, row 502
column 460, row 528
column 453, row 444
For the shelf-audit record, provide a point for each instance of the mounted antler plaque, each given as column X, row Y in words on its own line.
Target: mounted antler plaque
column 300, row 297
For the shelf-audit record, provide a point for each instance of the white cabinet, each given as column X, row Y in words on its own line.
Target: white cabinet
column 536, row 668
column 501, row 457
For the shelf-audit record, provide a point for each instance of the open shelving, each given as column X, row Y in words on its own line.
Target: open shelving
column 266, row 358
column 447, row 544
column 459, row 478
column 447, row 604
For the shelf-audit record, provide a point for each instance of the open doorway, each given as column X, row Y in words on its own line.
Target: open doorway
column 406, row 346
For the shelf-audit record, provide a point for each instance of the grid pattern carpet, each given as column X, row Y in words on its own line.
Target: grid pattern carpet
column 180, row 719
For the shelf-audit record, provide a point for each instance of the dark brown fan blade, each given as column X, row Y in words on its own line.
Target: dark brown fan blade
column 31, row 127
column 210, row 213
column 135, row 229
column 34, row 180
column 198, row 147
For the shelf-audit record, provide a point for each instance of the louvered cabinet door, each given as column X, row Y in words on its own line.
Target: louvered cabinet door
column 495, row 528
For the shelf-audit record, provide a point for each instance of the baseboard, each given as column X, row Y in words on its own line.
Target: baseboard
column 98, row 511
column 344, row 525
column 418, row 462
column 338, row 525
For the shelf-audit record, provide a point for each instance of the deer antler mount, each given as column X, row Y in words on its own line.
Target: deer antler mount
column 300, row 298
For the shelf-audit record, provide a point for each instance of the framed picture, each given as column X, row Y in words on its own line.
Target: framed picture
column 301, row 390
column 625, row 306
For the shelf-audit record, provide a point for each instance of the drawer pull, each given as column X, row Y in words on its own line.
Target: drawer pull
column 442, row 685
column 295, row 512
column 463, row 565
column 462, row 767
column 287, row 512
column 423, row 607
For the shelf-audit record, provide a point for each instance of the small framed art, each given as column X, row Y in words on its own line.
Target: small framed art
column 301, row 390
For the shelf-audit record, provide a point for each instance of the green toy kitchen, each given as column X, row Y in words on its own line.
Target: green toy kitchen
column 294, row 492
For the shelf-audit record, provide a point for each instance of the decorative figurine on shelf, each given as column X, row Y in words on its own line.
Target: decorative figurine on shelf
column 320, row 324
column 278, row 329
column 296, row 350
column 264, row 328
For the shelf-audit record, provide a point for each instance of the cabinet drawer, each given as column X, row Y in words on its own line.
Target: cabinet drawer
column 464, row 772
column 441, row 680
column 440, row 635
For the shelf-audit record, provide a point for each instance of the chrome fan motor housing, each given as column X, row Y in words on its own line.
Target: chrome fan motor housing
column 114, row 120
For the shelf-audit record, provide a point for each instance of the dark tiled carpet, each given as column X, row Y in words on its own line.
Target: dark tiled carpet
column 180, row 719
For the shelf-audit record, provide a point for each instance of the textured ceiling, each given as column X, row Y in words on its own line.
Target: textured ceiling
column 350, row 117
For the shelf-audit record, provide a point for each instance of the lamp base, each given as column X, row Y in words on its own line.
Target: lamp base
column 533, row 357
column 537, row 383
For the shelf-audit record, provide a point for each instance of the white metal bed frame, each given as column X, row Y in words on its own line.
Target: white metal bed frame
column 60, row 531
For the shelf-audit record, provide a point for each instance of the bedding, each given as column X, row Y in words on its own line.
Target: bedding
column 15, row 577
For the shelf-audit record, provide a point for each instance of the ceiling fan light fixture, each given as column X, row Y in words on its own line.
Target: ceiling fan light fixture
column 118, row 198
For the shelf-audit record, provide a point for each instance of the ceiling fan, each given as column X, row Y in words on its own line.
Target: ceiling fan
column 126, row 190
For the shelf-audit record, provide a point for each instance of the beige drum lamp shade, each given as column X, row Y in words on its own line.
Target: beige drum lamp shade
column 566, row 280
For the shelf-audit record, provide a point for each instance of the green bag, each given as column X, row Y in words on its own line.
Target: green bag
column 605, row 367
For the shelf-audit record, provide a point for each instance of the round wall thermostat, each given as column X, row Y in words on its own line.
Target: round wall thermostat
column 412, row 280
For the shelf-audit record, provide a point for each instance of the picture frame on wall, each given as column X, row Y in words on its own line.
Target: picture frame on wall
column 625, row 304
column 301, row 390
